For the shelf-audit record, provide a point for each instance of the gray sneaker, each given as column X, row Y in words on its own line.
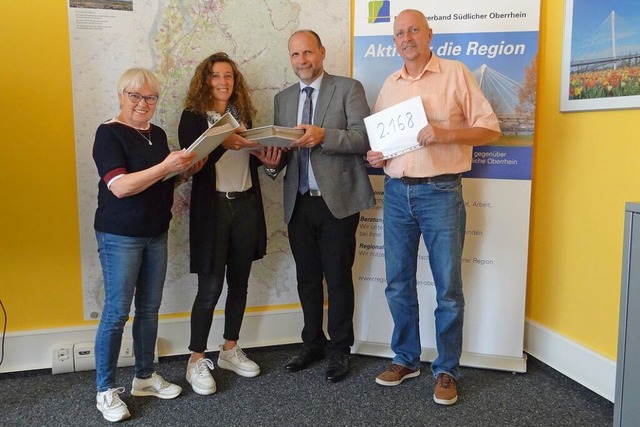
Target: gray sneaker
column 200, row 378
column 235, row 360
column 156, row 386
column 113, row 409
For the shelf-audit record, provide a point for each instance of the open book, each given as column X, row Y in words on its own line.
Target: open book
column 278, row 136
column 210, row 139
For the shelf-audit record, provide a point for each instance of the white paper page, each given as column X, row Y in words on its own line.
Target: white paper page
column 394, row 131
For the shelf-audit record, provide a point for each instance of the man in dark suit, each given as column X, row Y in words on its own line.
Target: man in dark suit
column 323, row 196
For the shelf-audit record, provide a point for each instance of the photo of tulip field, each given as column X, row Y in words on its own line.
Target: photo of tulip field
column 624, row 81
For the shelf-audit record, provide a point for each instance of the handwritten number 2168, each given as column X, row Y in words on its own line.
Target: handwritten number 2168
column 396, row 124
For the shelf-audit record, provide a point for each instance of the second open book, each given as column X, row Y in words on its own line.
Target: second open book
column 278, row 136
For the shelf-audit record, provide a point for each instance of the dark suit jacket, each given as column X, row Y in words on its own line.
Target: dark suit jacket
column 202, row 213
column 337, row 163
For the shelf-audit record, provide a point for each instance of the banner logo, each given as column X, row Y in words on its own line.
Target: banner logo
column 379, row 12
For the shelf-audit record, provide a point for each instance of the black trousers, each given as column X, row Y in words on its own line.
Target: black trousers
column 236, row 239
column 323, row 247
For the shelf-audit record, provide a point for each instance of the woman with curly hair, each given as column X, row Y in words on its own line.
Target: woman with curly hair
column 227, row 225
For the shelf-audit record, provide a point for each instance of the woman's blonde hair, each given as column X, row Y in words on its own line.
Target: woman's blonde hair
column 135, row 78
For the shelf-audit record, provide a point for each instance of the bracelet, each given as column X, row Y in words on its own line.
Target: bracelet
column 270, row 171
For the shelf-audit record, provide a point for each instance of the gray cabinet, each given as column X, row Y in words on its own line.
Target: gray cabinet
column 627, row 396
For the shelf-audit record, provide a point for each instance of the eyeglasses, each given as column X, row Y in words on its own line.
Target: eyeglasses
column 135, row 97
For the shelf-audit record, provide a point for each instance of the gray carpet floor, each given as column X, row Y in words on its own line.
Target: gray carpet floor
column 539, row 397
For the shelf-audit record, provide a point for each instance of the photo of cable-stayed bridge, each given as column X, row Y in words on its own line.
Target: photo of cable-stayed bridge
column 512, row 101
column 605, row 50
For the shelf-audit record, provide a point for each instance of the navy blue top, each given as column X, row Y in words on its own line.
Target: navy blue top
column 118, row 149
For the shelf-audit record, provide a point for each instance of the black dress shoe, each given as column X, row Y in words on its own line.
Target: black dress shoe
column 338, row 367
column 303, row 359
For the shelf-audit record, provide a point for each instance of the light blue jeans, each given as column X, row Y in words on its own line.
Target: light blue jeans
column 436, row 211
column 131, row 266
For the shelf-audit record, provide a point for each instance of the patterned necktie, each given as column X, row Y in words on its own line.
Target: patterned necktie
column 303, row 167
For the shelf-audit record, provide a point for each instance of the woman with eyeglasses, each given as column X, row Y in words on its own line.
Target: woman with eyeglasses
column 131, row 224
column 227, row 224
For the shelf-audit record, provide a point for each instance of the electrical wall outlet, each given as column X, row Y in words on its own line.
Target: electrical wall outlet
column 126, row 353
column 84, row 356
column 62, row 359
column 69, row 357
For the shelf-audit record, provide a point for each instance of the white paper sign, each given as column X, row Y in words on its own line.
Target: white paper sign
column 394, row 131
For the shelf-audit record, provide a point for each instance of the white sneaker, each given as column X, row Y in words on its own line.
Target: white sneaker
column 113, row 409
column 200, row 378
column 156, row 386
column 235, row 360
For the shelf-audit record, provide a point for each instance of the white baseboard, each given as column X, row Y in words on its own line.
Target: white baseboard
column 584, row 366
column 25, row 351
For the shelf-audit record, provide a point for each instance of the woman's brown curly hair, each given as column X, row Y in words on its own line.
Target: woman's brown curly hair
column 199, row 99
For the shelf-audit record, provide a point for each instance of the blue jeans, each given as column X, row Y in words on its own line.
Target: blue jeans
column 435, row 210
column 131, row 266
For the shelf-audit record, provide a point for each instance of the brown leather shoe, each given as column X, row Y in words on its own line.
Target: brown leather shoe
column 396, row 374
column 445, row 391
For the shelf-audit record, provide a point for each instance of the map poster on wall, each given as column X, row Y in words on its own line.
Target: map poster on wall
column 498, row 41
column 171, row 37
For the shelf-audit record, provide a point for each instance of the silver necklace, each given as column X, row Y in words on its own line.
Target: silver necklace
column 145, row 138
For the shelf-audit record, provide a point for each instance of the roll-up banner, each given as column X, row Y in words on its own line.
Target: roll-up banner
column 498, row 41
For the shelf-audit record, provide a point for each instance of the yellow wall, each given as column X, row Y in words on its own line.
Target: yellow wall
column 582, row 176
column 40, row 283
